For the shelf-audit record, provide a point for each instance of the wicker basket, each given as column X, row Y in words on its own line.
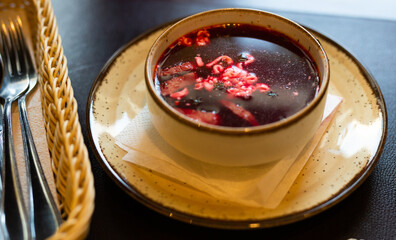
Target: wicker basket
column 70, row 161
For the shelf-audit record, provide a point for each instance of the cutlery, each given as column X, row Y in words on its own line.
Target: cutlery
column 15, row 83
column 3, row 230
column 43, row 211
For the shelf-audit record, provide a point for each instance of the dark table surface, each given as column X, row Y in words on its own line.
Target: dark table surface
column 92, row 30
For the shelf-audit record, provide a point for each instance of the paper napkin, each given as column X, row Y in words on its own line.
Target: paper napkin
column 258, row 186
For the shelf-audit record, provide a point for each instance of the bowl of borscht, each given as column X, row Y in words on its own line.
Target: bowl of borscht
column 237, row 87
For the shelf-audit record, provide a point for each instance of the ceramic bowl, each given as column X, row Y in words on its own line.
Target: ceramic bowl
column 237, row 146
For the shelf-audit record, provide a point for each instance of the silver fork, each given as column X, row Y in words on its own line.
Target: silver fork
column 15, row 83
column 3, row 230
column 43, row 211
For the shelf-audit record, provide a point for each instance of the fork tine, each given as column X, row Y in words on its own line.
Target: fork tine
column 28, row 57
column 5, row 48
column 22, row 45
column 18, row 47
column 12, row 48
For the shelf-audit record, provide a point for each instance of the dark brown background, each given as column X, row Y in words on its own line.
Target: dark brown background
column 92, row 30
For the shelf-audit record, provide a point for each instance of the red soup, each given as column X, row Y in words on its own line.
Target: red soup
column 236, row 75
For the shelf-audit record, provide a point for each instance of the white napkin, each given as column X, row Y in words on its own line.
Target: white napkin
column 258, row 186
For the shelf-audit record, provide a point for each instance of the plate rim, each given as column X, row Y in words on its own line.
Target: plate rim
column 128, row 188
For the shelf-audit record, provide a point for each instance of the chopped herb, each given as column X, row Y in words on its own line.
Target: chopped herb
column 197, row 101
column 272, row 94
column 218, row 86
column 242, row 57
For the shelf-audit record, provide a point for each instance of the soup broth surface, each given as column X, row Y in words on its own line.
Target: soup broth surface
column 236, row 75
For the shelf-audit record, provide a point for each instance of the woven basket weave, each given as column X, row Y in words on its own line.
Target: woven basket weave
column 70, row 162
column 71, row 166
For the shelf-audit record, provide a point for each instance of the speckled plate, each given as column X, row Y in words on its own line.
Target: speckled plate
column 343, row 159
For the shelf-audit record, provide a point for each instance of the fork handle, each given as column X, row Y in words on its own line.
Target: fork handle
column 3, row 228
column 43, row 210
column 12, row 200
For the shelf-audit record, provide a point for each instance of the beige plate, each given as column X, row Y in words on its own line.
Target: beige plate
column 344, row 158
